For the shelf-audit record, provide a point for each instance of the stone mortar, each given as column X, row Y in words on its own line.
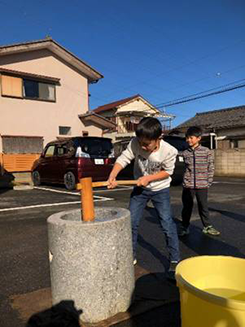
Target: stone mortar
column 91, row 263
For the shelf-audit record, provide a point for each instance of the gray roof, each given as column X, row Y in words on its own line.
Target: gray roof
column 60, row 51
column 217, row 119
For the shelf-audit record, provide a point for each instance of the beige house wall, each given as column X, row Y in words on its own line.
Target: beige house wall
column 133, row 106
column 136, row 105
column 230, row 162
column 39, row 118
column 241, row 144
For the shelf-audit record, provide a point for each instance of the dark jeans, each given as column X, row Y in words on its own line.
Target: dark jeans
column 201, row 195
column 161, row 202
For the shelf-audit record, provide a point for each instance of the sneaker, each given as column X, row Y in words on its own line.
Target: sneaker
column 135, row 262
column 183, row 231
column 171, row 270
column 211, row 231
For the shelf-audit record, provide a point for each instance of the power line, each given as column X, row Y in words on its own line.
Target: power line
column 199, row 93
column 179, row 101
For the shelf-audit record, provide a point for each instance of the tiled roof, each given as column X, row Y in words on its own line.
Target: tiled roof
column 55, row 47
column 217, row 119
column 115, row 104
column 102, row 121
column 24, row 74
column 24, row 43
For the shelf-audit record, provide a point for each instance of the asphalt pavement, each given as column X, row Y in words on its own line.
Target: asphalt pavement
column 24, row 273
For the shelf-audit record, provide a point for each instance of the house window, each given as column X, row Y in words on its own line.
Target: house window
column 11, row 86
column 38, row 90
column 131, row 127
column 22, row 144
column 27, row 88
column 64, row 130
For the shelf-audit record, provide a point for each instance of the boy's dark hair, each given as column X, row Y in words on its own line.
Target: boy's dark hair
column 194, row 131
column 149, row 128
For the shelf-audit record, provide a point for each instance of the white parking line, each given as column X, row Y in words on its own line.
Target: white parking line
column 39, row 206
column 55, row 191
column 71, row 193
column 96, row 199
column 122, row 188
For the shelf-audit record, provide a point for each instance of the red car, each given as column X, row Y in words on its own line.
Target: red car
column 66, row 161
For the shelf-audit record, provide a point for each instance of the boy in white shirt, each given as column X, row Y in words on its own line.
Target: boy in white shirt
column 154, row 164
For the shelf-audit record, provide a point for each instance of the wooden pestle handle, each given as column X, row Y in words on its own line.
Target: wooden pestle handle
column 87, row 202
column 105, row 183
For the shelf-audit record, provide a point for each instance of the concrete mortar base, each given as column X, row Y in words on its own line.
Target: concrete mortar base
column 91, row 263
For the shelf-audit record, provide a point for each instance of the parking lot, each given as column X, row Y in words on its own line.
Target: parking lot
column 24, row 246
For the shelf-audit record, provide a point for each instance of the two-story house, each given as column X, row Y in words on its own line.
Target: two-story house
column 44, row 89
column 126, row 114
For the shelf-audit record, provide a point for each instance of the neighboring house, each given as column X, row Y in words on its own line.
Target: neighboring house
column 44, row 89
column 126, row 114
column 225, row 132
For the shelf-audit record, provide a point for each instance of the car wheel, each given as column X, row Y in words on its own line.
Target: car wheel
column 36, row 178
column 69, row 181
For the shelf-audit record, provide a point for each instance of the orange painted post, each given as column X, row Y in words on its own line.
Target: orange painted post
column 1, row 164
column 87, row 202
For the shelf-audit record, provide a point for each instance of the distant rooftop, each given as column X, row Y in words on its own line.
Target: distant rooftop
column 114, row 104
column 217, row 119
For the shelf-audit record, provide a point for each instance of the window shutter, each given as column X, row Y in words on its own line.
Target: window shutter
column 11, row 86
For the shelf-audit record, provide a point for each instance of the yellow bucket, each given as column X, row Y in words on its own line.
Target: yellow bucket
column 212, row 291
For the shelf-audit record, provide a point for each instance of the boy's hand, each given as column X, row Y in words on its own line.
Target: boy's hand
column 112, row 183
column 143, row 181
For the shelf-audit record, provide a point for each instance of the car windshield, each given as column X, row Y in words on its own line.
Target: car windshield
column 94, row 146
column 179, row 143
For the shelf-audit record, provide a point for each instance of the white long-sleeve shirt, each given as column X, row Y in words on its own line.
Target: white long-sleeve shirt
column 150, row 163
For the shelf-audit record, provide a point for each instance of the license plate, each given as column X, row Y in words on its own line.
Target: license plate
column 181, row 159
column 99, row 161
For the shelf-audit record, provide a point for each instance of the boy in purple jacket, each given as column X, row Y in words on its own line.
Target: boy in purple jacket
column 198, row 177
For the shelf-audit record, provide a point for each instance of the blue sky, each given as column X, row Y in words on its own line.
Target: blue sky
column 161, row 49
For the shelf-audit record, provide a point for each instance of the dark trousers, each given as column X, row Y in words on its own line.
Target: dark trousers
column 202, row 203
column 161, row 202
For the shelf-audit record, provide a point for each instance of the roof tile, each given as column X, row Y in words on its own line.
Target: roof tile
column 223, row 118
column 115, row 104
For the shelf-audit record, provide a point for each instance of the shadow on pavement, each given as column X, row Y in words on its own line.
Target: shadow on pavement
column 233, row 215
column 198, row 242
column 208, row 245
column 155, row 303
column 153, row 250
column 155, row 287
column 63, row 314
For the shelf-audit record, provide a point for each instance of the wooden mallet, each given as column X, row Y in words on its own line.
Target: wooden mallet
column 87, row 203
